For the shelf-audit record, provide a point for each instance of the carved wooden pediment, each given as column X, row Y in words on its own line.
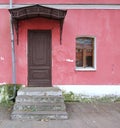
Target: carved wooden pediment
column 37, row 11
column 34, row 11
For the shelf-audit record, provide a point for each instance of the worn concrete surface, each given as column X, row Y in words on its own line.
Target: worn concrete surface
column 81, row 115
column 39, row 103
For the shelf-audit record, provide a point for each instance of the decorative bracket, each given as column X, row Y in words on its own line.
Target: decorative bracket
column 61, row 28
column 16, row 25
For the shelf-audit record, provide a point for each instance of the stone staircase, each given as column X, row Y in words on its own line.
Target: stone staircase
column 37, row 103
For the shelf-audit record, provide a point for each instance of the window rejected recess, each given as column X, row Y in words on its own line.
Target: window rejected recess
column 85, row 53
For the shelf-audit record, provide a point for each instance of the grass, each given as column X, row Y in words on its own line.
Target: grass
column 8, row 104
column 7, row 91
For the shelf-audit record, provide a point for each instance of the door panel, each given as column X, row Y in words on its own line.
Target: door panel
column 39, row 58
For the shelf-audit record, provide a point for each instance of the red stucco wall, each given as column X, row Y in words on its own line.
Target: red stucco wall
column 4, row 1
column 103, row 24
column 21, row 49
column 62, row 1
column 5, row 48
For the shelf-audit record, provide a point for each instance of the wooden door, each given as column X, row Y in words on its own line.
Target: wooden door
column 39, row 58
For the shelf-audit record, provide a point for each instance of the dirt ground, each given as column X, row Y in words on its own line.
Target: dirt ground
column 81, row 115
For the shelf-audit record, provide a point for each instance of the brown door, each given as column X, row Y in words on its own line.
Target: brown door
column 39, row 58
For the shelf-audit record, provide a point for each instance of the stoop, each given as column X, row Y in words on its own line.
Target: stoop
column 37, row 103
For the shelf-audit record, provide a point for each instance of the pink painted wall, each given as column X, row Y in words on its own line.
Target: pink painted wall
column 62, row 1
column 5, row 48
column 106, row 30
column 103, row 24
column 4, row 1
column 21, row 49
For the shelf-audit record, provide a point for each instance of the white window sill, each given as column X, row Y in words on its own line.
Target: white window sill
column 85, row 69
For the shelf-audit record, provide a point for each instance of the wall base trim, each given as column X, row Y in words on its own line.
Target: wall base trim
column 92, row 90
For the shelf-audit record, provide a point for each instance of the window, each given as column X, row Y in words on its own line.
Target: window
column 85, row 53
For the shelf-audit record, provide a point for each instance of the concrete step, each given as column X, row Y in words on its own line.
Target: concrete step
column 36, row 103
column 39, row 106
column 21, row 115
column 40, row 91
column 39, row 99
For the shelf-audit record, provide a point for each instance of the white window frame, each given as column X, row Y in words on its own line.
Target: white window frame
column 94, row 68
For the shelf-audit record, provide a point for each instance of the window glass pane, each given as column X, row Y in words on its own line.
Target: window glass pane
column 84, row 40
column 89, row 58
column 79, row 57
column 84, row 52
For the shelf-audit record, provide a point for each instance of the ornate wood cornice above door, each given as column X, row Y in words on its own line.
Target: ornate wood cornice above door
column 37, row 10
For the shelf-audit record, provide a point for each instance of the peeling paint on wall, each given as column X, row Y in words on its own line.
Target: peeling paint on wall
column 105, row 28
column 2, row 58
column 2, row 83
column 69, row 60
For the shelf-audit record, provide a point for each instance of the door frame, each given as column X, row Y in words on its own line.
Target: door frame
column 28, row 53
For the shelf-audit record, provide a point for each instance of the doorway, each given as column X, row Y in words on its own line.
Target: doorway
column 39, row 58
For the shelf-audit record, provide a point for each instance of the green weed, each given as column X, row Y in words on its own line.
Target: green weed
column 71, row 97
column 6, row 91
